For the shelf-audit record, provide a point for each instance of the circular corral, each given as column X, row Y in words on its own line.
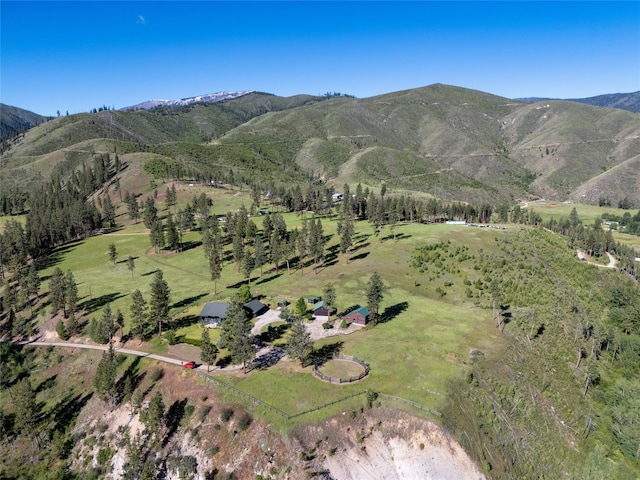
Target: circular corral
column 341, row 369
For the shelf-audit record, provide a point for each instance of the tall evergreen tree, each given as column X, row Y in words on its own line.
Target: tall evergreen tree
column 70, row 293
column 260, row 254
column 113, row 253
column 208, row 351
column 173, row 239
column 236, row 333
column 375, row 293
column 159, row 303
column 157, row 235
column 299, row 345
column 105, row 378
column 131, row 264
column 139, row 323
column 150, row 213
column 329, row 297
column 108, row 211
column 57, row 291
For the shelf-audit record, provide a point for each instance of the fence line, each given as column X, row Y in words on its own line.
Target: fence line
column 413, row 404
column 244, row 394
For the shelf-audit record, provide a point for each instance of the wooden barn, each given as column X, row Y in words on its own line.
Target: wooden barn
column 359, row 316
column 320, row 309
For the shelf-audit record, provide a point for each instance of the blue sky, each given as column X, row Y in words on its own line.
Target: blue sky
column 74, row 56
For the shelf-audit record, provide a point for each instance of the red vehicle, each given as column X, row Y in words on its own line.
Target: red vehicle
column 190, row 364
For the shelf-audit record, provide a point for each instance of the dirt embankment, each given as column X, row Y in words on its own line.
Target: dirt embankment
column 383, row 443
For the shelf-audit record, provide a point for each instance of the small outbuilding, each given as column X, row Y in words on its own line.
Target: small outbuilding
column 213, row 313
column 283, row 303
column 359, row 316
column 320, row 310
column 255, row 307
column 312, row 300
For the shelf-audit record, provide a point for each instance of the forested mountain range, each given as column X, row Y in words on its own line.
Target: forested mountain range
column 444, row 141
column 624, row 101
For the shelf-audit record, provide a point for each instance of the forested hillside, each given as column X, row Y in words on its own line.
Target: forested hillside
column 443, row 141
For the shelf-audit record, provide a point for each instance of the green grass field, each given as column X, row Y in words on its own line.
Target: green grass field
column 430, row 327
column 423, row 344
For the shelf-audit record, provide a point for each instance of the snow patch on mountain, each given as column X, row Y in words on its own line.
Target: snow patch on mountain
column 208, row 98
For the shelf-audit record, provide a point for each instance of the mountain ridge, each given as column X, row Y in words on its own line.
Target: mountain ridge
column 439, row 140
column 624, row 101
column 206, row 98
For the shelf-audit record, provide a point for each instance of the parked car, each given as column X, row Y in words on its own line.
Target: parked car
column 190, row 364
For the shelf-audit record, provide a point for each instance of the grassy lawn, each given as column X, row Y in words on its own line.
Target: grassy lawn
column 586, row 213
column 423, row 343
column 5, row 218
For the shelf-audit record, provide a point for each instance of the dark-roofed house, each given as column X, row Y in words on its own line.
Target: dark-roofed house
column 313, row 299
column 213, row 313
column 320, row 310
column 359, row 316
column 255, row 307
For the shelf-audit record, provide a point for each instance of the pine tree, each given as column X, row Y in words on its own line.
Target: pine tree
column 33, row 282
column 260, row 254
column 236, row 333
column 131, row 264
column 70, row 293
column 150, row 213
column 109, row 212
column 113, row 253
column 154, row 415
column 26, row 411
column 316, row 243
column 159, row 303
column 57, row 291
column 208, row 351
column 329, row 297
column 248, row 264
column 375, row 293
column 105, row 379
column 299, row 346
column 173, row 239
column 157, row 235
column 139, row 324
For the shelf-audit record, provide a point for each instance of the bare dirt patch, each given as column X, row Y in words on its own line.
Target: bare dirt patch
column 384, row 443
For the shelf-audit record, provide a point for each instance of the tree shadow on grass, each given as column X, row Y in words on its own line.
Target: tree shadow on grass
column 268, row 279
column 93, row 304
column 126, row 260
column 360, row 256
column 188, row 301
column 392, row 312
column 324, row 353
column 184, row 322
column 274, row 332
column 56, row 257
column 46, row 384
column 151, row 272
column 189, row 245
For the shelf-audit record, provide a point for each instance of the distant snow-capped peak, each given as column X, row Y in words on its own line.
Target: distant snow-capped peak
column 208, row 98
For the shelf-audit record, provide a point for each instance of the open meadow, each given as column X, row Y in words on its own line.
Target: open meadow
column 428, row 324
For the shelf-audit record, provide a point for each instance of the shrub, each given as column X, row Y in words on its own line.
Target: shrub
column 156, row 374
column 171, row 337
column 344, row 324
column 327, row 325
column 245, row 421
column 226, row 414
